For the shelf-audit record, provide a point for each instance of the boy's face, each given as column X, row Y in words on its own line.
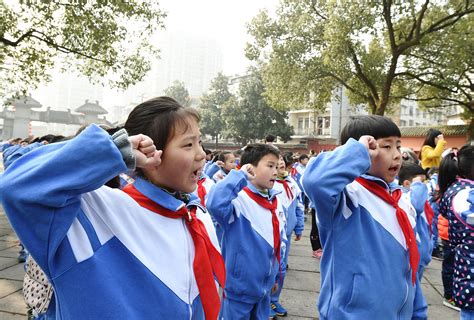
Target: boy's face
column 281, row 168
column 387, row 162
column 304, row 162
column 229, row 163
column 420, row 178
column 266, row 172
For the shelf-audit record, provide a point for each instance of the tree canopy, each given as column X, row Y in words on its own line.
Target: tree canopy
column 179, row 92
column 96, row 38
column 248, row 117
column 212, row 104
column 313, row 46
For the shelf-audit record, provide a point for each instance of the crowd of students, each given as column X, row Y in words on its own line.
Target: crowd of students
column 141, row 222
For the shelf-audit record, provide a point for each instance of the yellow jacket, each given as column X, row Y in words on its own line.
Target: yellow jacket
column 431, row 157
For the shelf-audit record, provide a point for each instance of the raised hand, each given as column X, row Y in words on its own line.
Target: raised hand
column 249, row 171
column 145, row 151
column 371, row 144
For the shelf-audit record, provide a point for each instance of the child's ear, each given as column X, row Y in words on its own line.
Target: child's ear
column 406, row 184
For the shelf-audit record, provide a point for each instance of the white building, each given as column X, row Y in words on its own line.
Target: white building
column 325, row 125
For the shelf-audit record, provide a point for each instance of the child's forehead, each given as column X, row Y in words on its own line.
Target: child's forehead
column 392, row 139
column 268, row 158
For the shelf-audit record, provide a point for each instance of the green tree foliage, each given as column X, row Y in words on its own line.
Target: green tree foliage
column 249, row 117
column 443, row 69
column 212, row 104
column 313, row 46
column 96, row 38
column 179, row 92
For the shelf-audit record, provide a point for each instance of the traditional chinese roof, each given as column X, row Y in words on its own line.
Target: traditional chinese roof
column 91, row 108
column 456, row 130
column 24, row 101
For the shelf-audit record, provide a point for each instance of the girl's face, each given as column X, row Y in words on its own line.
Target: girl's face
column 229, row 163
column 281, row 166
column 182, row 160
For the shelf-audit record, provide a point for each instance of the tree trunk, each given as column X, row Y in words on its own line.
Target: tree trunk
column 470, row 130
column 217, row 140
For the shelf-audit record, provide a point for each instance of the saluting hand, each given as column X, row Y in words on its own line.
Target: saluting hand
column 249, row 171
column 371, row 144
column 145, row 151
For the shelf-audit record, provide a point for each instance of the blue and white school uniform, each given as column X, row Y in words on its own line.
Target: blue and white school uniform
column 418, row 196
column 247, row 246
column 294, row 213
column 106, row 256
column 365, row 270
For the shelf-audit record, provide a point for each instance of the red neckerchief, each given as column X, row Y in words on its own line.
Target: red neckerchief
column 265, row 203
column 201, row 191
column 207, row 262
column 429, row 215
column 293, row 172
column 402, row 218
column 288, row 191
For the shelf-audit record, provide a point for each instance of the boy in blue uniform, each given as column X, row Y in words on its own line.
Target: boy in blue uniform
column 245, row 206
column 368, row 270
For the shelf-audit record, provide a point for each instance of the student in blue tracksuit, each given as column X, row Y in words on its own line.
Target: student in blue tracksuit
column 290, row 198
column 114, row 254
column 368, row 269
column 246, row 207
column 411, row 178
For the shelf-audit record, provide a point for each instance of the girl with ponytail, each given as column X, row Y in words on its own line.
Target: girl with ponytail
column 456, row 183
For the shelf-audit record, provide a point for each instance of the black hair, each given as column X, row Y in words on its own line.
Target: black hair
column 454, row 165
column 223, row 156
column 59, row 138
column 48, row 138
column 430, row 139
column 408, row 171
column 207, row 151
column 372, row 125
column 158, row 118
column 302, row 157
column 253, row 153
column 270, row 138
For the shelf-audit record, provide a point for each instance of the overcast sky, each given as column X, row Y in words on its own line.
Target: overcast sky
column 221, row 19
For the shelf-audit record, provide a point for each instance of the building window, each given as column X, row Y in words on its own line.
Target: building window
column 300, row 123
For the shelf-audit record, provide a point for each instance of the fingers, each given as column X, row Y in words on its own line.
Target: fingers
column 249, row 170
column 220, row 163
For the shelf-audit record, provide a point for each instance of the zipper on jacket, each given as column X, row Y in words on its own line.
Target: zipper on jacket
column 406, row 297
column 190, row 280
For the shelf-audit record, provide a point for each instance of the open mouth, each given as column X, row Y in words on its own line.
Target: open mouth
column 196, row 174
column 394, row 169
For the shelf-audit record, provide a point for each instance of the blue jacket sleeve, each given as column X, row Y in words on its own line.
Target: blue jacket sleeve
column 18, row 153
column 329, row 173
column 41, row 190
column 418, row 196
column 299, row 217
column 219, row 202
column 212, row 169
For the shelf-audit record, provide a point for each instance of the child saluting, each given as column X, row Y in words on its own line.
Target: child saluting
column 147, row 253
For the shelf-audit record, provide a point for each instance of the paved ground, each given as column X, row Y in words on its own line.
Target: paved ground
column 299, row 295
